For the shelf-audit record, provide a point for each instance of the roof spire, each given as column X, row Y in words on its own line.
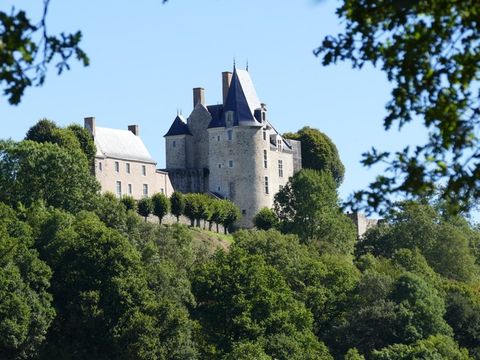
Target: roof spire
column 247, row 65
column 234, row 67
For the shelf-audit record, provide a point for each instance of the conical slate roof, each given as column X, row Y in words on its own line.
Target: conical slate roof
column 179, row 127
column 241, row 99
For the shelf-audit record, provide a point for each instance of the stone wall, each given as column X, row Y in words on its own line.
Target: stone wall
column 131, row 183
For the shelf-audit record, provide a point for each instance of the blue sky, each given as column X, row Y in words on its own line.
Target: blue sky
column 146, row 58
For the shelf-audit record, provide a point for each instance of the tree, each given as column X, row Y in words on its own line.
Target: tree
column 85, row 140
column 241, row 298
column 443, row 240
column 218, row 212
column 161, row 206
column 429, row 52
column 308, row 206
column 145, row 207
column 26, row 309
column 265, row 219
column 177, row 201
column 27, row 49
column 129, row 202
column 191, row 208
column 435, row 347
column 31, row 171
column 319, row 152
column 231, row 214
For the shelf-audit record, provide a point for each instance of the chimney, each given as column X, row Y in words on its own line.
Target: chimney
column 198, row 96
column 89, row 124
column 226, row 80
column 135, row 129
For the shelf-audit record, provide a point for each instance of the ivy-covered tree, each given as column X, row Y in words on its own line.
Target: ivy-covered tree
column 319, row 152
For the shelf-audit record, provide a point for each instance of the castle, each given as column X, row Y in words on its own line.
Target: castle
column 231, row 150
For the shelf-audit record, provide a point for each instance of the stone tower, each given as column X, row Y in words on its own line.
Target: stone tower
column 231, row 150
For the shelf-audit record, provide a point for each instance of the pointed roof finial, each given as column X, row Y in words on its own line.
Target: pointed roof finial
column 247, row 65
column 234, row 67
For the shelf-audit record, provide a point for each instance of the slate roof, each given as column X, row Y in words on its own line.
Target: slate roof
column 121, row 144
column 241, row 98
column 179, row 127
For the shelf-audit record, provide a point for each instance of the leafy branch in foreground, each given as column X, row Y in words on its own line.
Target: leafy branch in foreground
column 26, row 48
column 430, row 52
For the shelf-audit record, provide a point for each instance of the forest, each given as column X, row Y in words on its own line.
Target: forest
column 85, row 276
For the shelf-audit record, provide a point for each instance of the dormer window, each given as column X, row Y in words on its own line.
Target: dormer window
column 279, row 144
column 229, row 134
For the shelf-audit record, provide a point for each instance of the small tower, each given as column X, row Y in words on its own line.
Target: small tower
column 176, row 144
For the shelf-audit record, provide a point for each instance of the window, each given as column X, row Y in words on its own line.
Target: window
column 117, row 166
column 244, row 212
column 229, row 134
column 119, row 188
column 230, row 163
column 219, row 166
column 219, row 188
column 129, row 189
column 263, row 115
column 162, row 191
column 145, row 190
column 229, row 118
column 279, row 144
column 144, row 170
column 264, row 135
column 174, row 143
column 100, row 166
column 218, row 137
column 265, row 162
column 266, row 184
column 280, row 168
column 127, row 168
column 231, row 190
column 280, row 187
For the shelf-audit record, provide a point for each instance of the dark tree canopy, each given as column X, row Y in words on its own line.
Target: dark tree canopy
column 429, row 51
column 319, row 152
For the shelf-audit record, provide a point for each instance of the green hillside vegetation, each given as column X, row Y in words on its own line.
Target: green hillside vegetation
column 83, row 276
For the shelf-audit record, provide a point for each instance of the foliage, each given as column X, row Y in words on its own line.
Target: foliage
column 129, row 202
column 260, row 308
column 177, row 201
column 265, row 219
column 429, row 52
column 31, row 171
column 26, row 48
column 85, row 140
column 231, row 213
column 161, row 206
column 442, row 240
column 308, row 206
column 26, row 310
column 319, row 152
column 145, row 207
column 435, row 347
column 353, row 354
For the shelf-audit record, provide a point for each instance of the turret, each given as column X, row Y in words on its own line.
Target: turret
column 176, row 144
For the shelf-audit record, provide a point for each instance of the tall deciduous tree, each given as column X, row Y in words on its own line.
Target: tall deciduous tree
column 308, row 206
column 26, row 310
column 31, row 171
column 145, row 207
column 429, row 52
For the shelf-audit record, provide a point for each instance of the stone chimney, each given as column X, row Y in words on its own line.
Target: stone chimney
column 89, row 124
column 135, row 129
column 198, row 96
column 226, row 80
